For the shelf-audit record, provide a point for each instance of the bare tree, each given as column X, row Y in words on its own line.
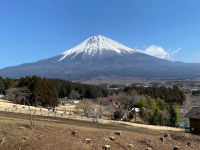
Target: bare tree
column 108, row 110
column 190, row 102
column 18, row 95
column 128, row 100
column 86, row 106
column 103, row 101
column 74, row 94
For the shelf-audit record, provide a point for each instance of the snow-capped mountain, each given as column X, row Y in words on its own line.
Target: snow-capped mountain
column 97, row 45
column 99, row 56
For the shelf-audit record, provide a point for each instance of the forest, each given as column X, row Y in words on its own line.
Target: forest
column 46, row 92
column 169, row 95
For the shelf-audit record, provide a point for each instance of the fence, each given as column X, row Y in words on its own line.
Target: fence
column 44, row 112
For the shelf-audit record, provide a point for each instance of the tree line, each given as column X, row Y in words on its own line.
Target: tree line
column 65, row 89
column 5, row 84
column 33, row 91
column 169, row 95
column 151, row 110
column 158, row 112
column 46, row 92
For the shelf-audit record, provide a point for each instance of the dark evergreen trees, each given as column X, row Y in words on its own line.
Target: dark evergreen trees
column 45, row 92
column 170, row 95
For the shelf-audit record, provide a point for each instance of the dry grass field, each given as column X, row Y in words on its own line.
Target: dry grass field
column 52, row 133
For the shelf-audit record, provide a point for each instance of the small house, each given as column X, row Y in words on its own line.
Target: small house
column 194, row 117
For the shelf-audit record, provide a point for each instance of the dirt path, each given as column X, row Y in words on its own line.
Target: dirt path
column 153, row 127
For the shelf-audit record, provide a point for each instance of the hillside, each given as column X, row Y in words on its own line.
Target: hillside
column 45, row 131
column 56, row 133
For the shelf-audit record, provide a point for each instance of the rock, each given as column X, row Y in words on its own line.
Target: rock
column 162, row 139
column 118, row 132
column 74, row 133
column 148, row 148
column 2, row 140
column 176, row 148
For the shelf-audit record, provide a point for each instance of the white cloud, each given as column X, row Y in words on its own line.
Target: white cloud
column 157, row 51
column 160, row 52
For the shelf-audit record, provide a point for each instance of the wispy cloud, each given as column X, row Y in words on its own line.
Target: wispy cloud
column 174, row 52
column 160, row 52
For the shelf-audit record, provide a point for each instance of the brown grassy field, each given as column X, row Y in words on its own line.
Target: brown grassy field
column 51, row 133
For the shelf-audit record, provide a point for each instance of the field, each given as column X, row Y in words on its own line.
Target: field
column 43, row 131
column 52, row 133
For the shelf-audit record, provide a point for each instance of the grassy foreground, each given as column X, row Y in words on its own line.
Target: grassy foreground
column 51, row 133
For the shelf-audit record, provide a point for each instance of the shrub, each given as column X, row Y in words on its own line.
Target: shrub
column 131, row 115
column 118, row 114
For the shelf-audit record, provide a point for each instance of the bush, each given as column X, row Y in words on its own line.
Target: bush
column 117, row 115
column 130, row 115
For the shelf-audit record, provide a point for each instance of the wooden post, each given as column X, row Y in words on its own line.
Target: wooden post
column 31, row 120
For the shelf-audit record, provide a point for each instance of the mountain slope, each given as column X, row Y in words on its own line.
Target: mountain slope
column 100, row 56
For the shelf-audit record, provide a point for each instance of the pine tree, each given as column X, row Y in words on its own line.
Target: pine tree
column 175, row 117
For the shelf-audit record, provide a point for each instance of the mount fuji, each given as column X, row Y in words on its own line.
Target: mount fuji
column 99, row 56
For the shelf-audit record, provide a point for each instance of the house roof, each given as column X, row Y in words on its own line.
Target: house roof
column 194, row 113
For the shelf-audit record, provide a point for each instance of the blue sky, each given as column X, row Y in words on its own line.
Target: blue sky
column 31, row 30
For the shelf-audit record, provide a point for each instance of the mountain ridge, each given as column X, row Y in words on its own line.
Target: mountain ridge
column 100, row 56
